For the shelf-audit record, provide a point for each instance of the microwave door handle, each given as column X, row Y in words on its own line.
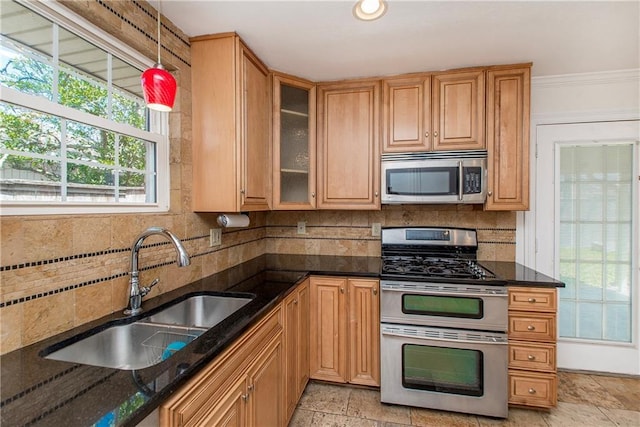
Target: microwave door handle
column 460, row 180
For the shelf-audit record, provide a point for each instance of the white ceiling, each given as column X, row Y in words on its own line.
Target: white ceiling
column 321, row 40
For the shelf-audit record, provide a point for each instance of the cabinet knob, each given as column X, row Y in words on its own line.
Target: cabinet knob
column 426, row 134
column 242, row 191
column 489, row 193
column 375, row 291
column 245, row 397
column 532, row 300
column 313, row 194
column 531, row 328
column 342, row 290
column 376, row 194
column 251, row 387
column 531, row 357
column 295, row 301
column 532, row 391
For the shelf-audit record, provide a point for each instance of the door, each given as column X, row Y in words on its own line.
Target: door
column 364, row 332
column 294, row 144
column 348, row 148
column 406, row 107
column 587, row 236
column 328, row 329
column 458, row 111
column 265, row 387
column 256, row 142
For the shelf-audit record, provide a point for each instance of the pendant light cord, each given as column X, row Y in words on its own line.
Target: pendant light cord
column 159, row 11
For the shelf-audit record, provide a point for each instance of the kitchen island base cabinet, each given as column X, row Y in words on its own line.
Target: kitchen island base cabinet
column 344, row 330
column 241, row 387
column 533, row 379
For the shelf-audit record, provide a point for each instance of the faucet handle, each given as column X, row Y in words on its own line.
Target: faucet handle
column 146, row 289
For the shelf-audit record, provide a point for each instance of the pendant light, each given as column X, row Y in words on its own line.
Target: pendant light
column 158, row 85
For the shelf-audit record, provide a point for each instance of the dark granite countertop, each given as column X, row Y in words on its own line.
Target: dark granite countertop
column 515, row 274
column 40, row 392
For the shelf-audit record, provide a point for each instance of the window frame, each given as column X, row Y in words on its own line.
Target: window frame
column 158, row 122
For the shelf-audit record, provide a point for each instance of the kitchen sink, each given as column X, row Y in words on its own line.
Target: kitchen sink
column 202, row 311
column 151, row 339
column 132, row 346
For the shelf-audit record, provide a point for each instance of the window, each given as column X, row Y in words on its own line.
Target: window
column 75, row 135
column 596, row 237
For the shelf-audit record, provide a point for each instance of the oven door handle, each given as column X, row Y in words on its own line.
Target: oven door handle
column 498, row 341
column 489, row 293
column 460, row 181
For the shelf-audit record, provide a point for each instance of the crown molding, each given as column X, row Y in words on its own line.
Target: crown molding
column 581, row 79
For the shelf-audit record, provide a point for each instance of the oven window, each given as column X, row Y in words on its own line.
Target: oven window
column 436, row 181
column 430, row 305
column 442, row 369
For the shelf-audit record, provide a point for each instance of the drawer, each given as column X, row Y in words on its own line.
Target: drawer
column 534, row 357
column 528, row 389
column 533, row 299
column 532, row 327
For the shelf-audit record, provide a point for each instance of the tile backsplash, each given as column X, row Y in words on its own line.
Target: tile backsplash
column 60, row 273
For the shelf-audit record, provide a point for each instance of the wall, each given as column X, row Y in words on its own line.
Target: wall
column 349, row 233
column 58, row 272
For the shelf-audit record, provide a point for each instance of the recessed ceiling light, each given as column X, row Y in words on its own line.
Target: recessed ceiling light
column 368, row 10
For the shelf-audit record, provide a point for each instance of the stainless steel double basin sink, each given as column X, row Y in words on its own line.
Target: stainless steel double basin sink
column 151, row 339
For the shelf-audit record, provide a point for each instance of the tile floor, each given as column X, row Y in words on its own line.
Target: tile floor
column 583, row 400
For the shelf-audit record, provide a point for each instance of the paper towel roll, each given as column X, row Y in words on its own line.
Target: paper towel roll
column 233, row 220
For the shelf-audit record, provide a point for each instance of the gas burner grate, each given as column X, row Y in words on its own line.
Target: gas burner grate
column 451, row 267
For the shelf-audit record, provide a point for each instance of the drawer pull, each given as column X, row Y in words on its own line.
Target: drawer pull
column 531, row 357
column 532, row 300
column 531, row 328
column 532, row 391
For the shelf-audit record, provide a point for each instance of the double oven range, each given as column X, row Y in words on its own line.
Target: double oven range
column 443, row 337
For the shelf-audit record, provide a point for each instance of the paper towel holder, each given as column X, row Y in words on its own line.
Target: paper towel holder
column 233, row 220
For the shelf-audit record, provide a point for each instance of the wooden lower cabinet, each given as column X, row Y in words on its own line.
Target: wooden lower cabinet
column 296, row 339
column 533, row 379
column 242, row 387
column 344, row 330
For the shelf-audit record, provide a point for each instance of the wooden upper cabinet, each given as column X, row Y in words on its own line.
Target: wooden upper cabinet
column 458, row 110
column 508, row 107
column 348, row 145
column 231, row 126
column 294, row 143
column 428, row 112
column 406, row 104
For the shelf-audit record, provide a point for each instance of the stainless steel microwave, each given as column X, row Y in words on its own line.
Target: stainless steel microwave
column 434, row 177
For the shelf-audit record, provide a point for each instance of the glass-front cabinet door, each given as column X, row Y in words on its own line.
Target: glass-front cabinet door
column 294, row 142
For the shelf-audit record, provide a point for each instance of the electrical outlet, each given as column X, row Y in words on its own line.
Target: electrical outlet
column 215, row 237
column 302, row 227
column 375, row 229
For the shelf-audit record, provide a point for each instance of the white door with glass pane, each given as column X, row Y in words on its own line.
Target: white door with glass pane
column 587, row 236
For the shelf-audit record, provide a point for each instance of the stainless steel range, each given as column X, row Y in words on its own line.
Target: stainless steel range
column 443, row 323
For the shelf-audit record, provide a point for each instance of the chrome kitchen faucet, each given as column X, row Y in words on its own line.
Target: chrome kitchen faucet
column 135, row 291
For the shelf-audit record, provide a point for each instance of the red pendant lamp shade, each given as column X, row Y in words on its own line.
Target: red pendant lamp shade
column 158, row 85
column 159, row 88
